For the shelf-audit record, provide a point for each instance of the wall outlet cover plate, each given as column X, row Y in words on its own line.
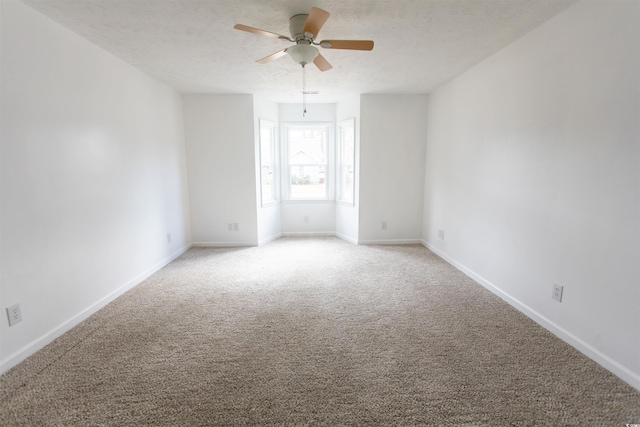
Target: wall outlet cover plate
column 15, row 314
column 557, row 292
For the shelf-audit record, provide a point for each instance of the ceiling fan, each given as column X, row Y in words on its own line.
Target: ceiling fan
column 304, row 29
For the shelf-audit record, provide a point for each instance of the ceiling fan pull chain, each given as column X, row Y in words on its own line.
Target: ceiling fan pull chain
column 304, row 91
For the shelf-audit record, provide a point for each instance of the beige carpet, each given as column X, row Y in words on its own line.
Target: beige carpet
column 312, row 332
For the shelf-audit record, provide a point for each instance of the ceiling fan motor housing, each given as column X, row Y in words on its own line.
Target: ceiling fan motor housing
column 303, row 52
column 296, row 26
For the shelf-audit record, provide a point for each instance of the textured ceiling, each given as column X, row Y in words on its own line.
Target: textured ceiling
column 192, row 46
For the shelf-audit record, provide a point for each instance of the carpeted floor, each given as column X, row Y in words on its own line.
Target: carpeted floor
column 312, row 332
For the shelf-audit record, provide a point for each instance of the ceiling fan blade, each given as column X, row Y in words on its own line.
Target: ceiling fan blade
column 347, row 44
column 260, row 32
column 315, row 21
column 322, row 63
column 272, row 57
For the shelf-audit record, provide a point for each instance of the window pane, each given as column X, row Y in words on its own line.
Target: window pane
column 346, row 160
column 268, row 162
column 267, row 184
column 307, row 146
column 346, row 181
column 266, row 144
column 307, row 155
column 308, row 182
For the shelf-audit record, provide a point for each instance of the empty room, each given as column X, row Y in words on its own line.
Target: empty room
column 295, row 212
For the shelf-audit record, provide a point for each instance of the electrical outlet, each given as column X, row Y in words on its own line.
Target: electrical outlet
column 557, row 292
column 236, row 226
column 230, row 227
column 168, row 237
column 306, row 219
column 15, row 314
column 441, row 234
column 383, row 225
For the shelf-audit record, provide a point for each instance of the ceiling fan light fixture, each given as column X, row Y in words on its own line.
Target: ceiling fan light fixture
column 303, row 53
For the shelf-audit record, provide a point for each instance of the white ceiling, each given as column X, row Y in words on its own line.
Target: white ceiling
column 192, row 46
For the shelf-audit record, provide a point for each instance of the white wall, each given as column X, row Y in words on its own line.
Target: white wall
column 392, row 152
column 321, row 215
column 269, row 216
column 533, row 173
column 347, row 216
column 93, row 178
column 221, row 165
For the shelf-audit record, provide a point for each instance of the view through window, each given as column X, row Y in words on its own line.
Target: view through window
column 307, row 158
column 268, row 173
column 346, row 161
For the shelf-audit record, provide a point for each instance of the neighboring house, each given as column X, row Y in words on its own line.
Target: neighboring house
column 306, row 171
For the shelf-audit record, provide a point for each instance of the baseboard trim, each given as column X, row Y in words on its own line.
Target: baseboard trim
column 269, row 239
column 391, row 242
column 308, row 234
column 600, row 358
column 347, row 238
column 223, row 244
column 39, row 343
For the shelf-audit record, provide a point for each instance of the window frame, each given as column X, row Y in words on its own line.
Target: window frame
column 286, row 166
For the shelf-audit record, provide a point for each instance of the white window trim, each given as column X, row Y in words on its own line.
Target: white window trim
column 275, row 149
column 286, row 168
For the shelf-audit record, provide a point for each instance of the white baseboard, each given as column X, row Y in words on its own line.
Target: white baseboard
column 223, row 244
column 600, row 358
column 39, row 343
column 269, row 239
column 347, row 238
column 391, row 242
column 309, row 234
